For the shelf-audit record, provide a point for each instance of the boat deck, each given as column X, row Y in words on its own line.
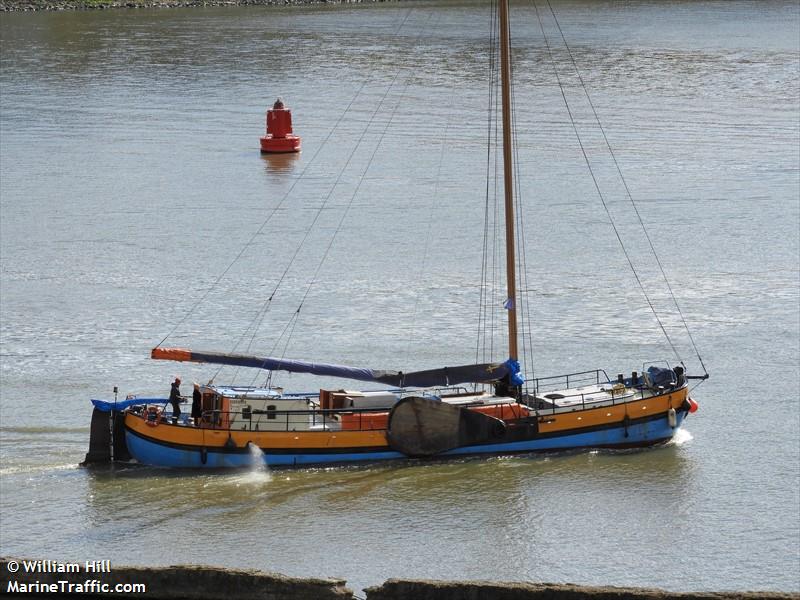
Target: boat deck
column 235, row 408
column 590, row 396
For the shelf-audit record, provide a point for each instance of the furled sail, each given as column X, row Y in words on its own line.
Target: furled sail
column 482, row 373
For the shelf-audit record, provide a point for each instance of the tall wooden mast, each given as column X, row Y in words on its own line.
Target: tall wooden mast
column 508, row 180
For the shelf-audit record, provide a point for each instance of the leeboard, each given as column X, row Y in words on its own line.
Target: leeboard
column 426, row 427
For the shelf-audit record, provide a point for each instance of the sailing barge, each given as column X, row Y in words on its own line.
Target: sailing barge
column 579, row 410
column 480, row 409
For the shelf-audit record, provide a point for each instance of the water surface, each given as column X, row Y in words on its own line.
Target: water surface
column 130, row 180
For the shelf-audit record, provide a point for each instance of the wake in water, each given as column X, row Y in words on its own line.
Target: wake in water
column 681, row 437
column 257, row 473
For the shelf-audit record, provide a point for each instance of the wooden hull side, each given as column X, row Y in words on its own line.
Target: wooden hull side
column 593, row 417
column 167, row 445
column 181, row 435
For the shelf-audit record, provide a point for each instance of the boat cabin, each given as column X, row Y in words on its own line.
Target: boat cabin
column 253, row 409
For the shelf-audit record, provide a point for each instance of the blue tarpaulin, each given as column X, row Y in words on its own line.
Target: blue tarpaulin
column 109, row 405
column 660, row 376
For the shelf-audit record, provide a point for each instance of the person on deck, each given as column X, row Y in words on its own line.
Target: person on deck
column 175, row 399
column 196, row 404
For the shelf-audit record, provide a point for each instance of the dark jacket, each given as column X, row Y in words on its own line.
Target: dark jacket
column 196, row 404
column 175, row 393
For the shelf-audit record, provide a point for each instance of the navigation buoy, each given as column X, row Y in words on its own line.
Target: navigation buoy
column 279, row 136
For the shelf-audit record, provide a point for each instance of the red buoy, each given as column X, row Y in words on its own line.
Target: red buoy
column 693, row 406
column 279, row 136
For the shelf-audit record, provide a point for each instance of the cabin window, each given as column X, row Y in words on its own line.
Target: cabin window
column 271, row 412
column 247, row 412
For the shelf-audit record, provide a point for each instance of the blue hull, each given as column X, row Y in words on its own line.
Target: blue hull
column 638, row 434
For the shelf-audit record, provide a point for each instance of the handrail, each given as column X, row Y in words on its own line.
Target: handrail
column 621, row 396
column 303, row 419
column 596, row 376
column 591, row 372
column 289, row 420
column 331, row 419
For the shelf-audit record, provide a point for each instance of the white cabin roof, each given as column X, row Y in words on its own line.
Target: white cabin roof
column 233, row 391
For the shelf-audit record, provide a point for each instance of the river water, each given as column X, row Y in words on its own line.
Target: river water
column 131, row 181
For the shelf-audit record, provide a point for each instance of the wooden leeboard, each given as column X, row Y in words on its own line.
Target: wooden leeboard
column 426, row 427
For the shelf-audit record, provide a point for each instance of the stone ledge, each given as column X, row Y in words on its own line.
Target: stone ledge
column 397, row 589
column 193, row 582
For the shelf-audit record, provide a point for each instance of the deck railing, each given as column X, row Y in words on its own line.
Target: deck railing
column 375, row 419
column 315, row 419
column 629, row 390
column 286, row 420
column 541, row 385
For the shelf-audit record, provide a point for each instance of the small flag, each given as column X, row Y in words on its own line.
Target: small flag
column 509, row 304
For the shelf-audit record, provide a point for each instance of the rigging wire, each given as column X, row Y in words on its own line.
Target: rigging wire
column 306, row 235
column 258, row 320
column 597, row 186
column 523, row 303
column 627, row 189
column 324, row 204
column 498, row 295
column 269, row 217
column 498, row 292
column 426, row 248
column 255, row 324
column 360, row 179
column 289, row 328
column 485, row 302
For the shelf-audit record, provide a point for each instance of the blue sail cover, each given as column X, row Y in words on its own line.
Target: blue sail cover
column 109, row 405
column 481, row 373
column 484, row 373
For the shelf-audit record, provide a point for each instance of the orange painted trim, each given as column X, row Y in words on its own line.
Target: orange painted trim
column 179, row 354
column 214, row 438
column 311, row 440
column 603, row 415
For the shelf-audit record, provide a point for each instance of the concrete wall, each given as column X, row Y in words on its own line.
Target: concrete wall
column 396, row 589
column 191, row 582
